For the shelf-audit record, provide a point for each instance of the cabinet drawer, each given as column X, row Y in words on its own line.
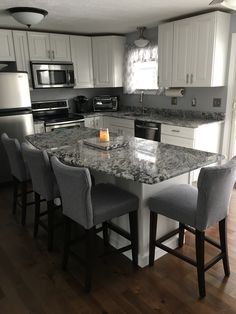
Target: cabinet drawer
column 121, row 122
column 177, row 131
column 178, row 141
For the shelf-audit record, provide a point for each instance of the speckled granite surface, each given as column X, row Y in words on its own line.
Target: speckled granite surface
column 189, row 119
column 142, row 160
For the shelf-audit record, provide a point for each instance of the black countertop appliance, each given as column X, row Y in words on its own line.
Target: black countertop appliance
column 82, row 104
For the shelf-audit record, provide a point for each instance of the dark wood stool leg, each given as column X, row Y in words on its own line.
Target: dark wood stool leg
column 50, row 208
column 23, row 202
column 133, row 222
column 37, row 213
column 200, row 262
column 15, row 191
column 152, row 238
column 181, row 234
column 67, row 238
column 105, row 234
column 90, row 233
column 224, row 246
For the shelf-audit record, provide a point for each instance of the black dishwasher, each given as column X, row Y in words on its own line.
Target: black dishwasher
column 148, row 130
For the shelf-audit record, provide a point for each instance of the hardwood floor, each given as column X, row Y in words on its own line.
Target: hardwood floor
column 31, row 279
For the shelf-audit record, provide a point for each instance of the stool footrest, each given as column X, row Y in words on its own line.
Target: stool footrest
column 119, row 230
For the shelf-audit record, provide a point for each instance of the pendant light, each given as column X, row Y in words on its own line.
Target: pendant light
column 141, row 42
column 28, row 15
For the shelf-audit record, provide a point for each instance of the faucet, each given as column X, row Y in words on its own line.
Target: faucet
column 141, row 101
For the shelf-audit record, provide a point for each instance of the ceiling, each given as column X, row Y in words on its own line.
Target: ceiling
column 102, row 16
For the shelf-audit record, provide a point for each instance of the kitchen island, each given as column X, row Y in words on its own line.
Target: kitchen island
column 142, row 167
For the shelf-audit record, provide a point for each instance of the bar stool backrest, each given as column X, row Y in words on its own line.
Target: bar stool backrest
column 215, row 185
column 75, row 189
column 17, row 164
column 41, row 172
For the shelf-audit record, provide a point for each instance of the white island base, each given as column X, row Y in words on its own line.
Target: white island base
column 143, row 191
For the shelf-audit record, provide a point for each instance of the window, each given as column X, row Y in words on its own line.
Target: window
column 141, row 69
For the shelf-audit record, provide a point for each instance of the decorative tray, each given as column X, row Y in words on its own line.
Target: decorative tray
column 115, row 142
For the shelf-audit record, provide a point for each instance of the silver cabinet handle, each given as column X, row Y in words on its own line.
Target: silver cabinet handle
column 49, row 54
column 191, row 79
column 187, row 78
column 53, row 54
column 176, row 131
column 145, row 127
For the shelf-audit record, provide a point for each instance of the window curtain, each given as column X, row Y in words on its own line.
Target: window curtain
column 134, row 54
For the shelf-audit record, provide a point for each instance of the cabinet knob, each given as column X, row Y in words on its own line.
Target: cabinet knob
column 187, row 78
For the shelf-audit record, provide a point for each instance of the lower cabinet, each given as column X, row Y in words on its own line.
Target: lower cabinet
column 94, row 122
column 207, row 137
column 119, row 126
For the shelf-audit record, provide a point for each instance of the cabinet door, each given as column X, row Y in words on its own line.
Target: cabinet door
column 202, row 50
column 165, row 54
column 183, row 32
column 98, row 122
column 39, row 46
column 6, row 47
column 81, row 54
column 60, row 47
column 22, row 52
column 102, row 61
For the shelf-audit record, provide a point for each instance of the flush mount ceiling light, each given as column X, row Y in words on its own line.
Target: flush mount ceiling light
column 27, row 15
column 141, row 42
column 231, row 4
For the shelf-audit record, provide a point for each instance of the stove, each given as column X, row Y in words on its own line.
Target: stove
column 55, row 114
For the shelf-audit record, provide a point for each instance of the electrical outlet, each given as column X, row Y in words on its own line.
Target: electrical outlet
column 194, row 102
column 174, row 101
column 216, row 102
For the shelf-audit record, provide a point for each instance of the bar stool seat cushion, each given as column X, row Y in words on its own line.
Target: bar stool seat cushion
column 178, row 202
column 109, row 201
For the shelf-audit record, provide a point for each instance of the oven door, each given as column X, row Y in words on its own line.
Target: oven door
column 51, row 127
column 52, row 75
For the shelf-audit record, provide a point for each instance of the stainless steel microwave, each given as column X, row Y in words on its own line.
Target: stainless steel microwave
column 51, row 75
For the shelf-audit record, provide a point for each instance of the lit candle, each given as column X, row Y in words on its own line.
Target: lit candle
column 104, row 135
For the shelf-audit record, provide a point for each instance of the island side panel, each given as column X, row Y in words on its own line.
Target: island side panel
column 144, row 192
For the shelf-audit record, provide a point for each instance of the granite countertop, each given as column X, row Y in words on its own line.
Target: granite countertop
column 141, row 160
column 183, row 121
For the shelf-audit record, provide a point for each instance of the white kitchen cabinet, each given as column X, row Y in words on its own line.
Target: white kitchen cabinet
column 108, row 54
column 22, row 52
column 6, row 47
column 81, row 54
column 94, row 122
column 119, row 126
column 49, row 47
column 60, row 47
column 39, row 46
column 165, row 54
column 200, row 46
column 206, row 137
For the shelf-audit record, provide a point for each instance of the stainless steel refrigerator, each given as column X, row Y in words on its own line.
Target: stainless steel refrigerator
column 15, row 113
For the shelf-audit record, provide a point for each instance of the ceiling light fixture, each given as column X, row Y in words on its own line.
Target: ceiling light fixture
column 231, row 4
column 141, row 42
column 27, row 15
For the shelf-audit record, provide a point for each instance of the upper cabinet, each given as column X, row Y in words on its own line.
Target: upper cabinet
column 165, row 53
column 81, row 54
column 200, row 46
column 108, row 54
column 49, row 47
column 6, row 47
column 21, row 51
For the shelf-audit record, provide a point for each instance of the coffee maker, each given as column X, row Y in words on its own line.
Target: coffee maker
column 82, row 104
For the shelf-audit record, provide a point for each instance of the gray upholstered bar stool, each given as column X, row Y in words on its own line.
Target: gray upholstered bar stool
column 19, row 173
column 44, row 185
column 196, row 209
column 89, row 206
